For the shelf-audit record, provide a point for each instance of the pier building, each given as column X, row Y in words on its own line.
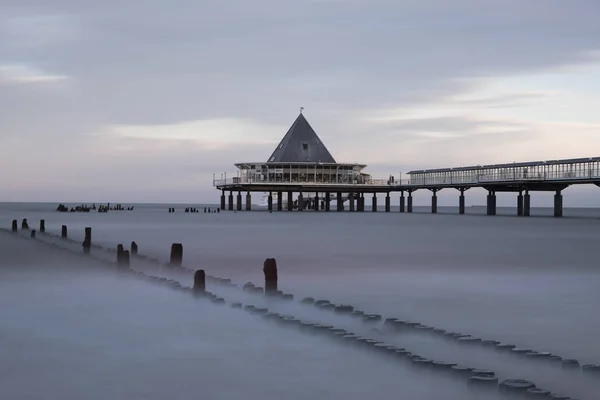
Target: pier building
column 302, row 168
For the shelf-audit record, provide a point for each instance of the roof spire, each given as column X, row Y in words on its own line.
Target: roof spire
column 301, row 109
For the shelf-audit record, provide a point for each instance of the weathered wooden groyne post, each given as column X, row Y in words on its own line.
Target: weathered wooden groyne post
column 42, row 225
column 176, row 258
column 134, row 248
column 15, row 225
column 24, row 224
column 270, row 271
column 199, row 281
column 87, row 241
column 122, row 257
column 63, row 232
column 32, row 234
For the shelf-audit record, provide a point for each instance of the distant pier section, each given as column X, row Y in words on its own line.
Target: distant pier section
column 301, row 174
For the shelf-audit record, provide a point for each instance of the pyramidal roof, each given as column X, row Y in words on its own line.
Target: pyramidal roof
column 301, row 144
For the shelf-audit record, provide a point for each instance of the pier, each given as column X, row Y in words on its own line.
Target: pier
column 301, row 174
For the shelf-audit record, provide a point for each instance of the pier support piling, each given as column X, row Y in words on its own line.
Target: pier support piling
column 230, row 201
column 222, row 200
column 327, row 201
column 491, row 203
column 270, row 202
column 300, row 202
column 339, row 201
column 316, row 205
column 387, row 202
column 351, row 201
column 402, row 203
column 520, row 204
column 176, row 258
column 558, row 204
column 290, row 201
column 409, row 202
column 526, row 204
column 374, row 203
column 434, row 201
column 362, row 202
column 239, row 201
column 279, row 201
column 461, row 201
column 248, row 201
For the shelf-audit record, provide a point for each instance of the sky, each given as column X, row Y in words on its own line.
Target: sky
column 144, row 100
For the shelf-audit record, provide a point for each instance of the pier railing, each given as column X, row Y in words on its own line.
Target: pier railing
column 450, row 179
column 342, row 182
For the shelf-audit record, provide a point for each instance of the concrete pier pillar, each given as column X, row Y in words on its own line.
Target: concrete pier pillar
column 327, row 201
column 222, row 200
column 361, row 202
column 374, row 203
column 270, row 202
column 402, row 202
column 248, row 201
column 316, row 205
column 300, row 202
column 239, row 201
column 409, row 203
column 322, row 205
column 230, row 201
column 290, row 201
column 461, row 202
column 520, row 204
column 339, row 201
column 558, row 204
column 351, row 201
column 491, row 203
column 434, row 202
column 387, row 203
column 279, row 201
column 526, row 204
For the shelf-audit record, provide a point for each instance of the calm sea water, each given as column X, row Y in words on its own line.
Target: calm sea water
column 70, row 330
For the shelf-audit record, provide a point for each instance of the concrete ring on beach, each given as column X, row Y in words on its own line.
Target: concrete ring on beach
column 570, row 363
column 468, row 340
column 537, row 393
column 505, row 347
column 483, row 381
column 515, row 386
column 591, row 369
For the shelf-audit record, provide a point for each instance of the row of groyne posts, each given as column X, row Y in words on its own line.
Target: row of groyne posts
column 175, row 259
column 356, row 201
column 476, row 378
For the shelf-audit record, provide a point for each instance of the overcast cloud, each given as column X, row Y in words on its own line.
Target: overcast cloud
column 143, row 101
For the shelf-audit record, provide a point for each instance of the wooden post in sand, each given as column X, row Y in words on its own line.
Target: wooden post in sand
column 270, row 271
column 176, row 258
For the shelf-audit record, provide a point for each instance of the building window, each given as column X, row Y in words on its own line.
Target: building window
column 305, row 146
